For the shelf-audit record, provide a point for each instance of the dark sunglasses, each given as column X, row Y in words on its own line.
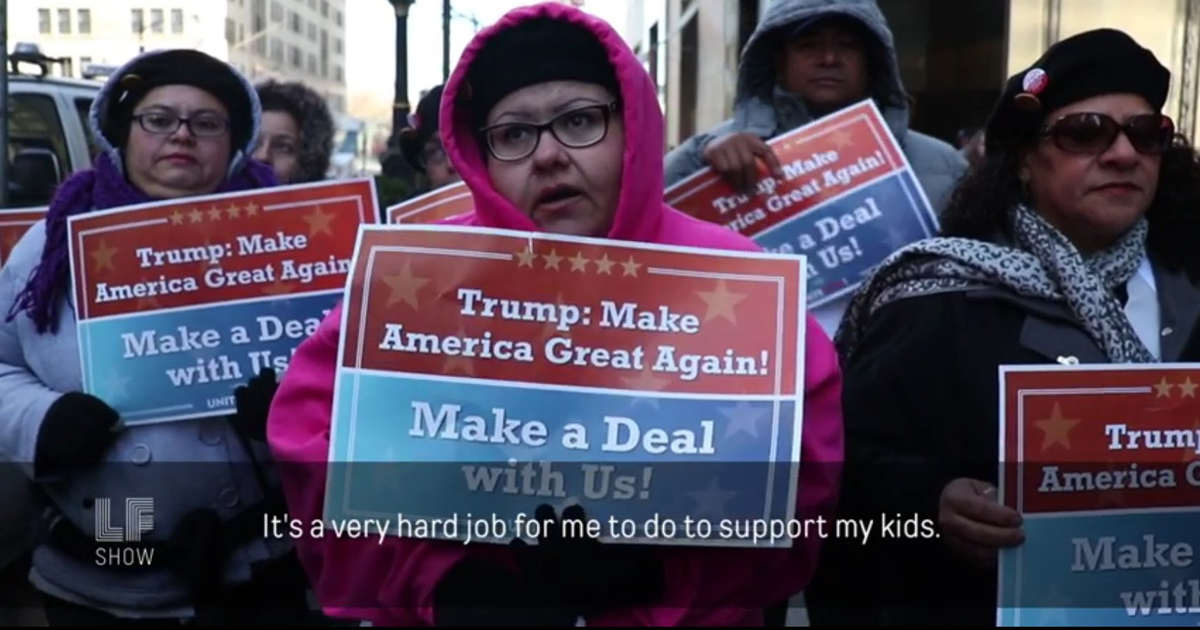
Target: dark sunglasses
column 1091, row 133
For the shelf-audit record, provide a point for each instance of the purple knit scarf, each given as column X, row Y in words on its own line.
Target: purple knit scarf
column 99, row 188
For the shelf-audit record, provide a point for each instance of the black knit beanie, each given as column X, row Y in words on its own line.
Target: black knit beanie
column 536, row 51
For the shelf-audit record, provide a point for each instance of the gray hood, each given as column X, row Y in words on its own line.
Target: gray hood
column 103, row 102
column 756, row 70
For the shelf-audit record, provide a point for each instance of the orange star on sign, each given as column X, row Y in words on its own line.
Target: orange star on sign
column 721, row 303
column 457, row 362
column 605, row 265
column 645, row 381
column 404, row 286
column 277, row 288
column 841, row 139
column 1056, row 429
column 102, row 256
column 318, row 221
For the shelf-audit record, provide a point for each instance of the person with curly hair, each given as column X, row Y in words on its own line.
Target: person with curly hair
column 297, row 132
column 1073, row 242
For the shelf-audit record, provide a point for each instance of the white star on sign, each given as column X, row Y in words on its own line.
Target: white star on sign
column 114, row 388
column 712, row 499
column 743, row 418
column 1053, row 607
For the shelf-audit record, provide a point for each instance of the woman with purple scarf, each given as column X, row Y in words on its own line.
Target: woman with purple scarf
column 170, row 124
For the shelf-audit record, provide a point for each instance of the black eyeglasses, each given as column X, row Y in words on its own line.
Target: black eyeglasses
column 578, row 128
column 1092, row 133
column 164, row 123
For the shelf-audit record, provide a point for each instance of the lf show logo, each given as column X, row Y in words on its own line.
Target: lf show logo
column 139, row 519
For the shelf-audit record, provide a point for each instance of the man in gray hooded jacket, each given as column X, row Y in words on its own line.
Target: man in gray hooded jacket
column 807, row 59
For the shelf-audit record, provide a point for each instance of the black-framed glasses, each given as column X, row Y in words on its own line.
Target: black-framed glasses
column 577, row 128
column 1092, row 133
column 433, row 155
column 165, row 123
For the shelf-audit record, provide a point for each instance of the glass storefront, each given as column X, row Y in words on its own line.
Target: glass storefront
column 956, row 54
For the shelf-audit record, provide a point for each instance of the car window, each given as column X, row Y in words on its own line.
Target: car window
column 33, row 122
column 83, row 107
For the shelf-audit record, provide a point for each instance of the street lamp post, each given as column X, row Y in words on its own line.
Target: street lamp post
column 400, row 106
column 395, row 165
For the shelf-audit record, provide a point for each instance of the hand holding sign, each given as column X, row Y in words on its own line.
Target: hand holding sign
column 974, row 524
column 735, row 158
column 838, row 190
column 583, row 573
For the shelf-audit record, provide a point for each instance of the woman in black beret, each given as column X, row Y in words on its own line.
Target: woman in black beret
column 1073, row 242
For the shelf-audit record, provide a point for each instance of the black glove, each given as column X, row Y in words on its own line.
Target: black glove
column 479, row 593
column 584, row 574
column 75, row 433
column 200, row 554
column 254, row 404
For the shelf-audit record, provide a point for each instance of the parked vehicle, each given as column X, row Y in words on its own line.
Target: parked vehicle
column 48, row 135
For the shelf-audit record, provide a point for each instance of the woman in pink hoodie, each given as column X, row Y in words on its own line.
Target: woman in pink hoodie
column 596, row 171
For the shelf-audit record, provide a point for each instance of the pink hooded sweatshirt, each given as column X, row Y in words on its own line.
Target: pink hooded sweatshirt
column 393, row 583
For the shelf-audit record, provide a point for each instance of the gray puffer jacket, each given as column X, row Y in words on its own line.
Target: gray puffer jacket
column 762, row 108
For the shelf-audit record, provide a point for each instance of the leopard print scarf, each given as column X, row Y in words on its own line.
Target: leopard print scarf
column 1043, row 264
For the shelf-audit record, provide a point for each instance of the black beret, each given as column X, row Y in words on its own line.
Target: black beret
column 1102, row 61
column 423, row 128
column 535, row 51
column 180, row 67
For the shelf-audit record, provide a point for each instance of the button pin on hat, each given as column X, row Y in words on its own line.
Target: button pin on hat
column 1032, row 83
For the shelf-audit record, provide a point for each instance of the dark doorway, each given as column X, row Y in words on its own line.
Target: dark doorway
column 952, row 59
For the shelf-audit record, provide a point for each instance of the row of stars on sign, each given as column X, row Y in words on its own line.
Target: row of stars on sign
column 213, row 214
column 553, row 260
column 1187, row 389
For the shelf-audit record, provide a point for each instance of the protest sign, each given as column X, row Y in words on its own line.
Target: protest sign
column 1103, row 462
column 848, row 198
column 13, row 225
column 182, row 301
column 431, row 207
column 484, row 372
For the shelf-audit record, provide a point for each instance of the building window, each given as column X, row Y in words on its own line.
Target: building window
column 296, row 57
column 312, row 63
column 297, row 23
column 337, row 73
column 276, row 11
column 137, row 21
column 312, row 32
column 64, row 21
column 85, row 21
column 44, row 21
column 156, row 20
column 230, row 31
column 312, row 4
column 337, row 45
column 277, row 50
column 176, row 20
column 337, row 17
column 324, row 8
column 258, row 16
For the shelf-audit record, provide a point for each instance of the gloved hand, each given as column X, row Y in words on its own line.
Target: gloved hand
column 479, row 593
column 253, row 405
column 76, row 431
column 583, row 573
column 197, row 540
